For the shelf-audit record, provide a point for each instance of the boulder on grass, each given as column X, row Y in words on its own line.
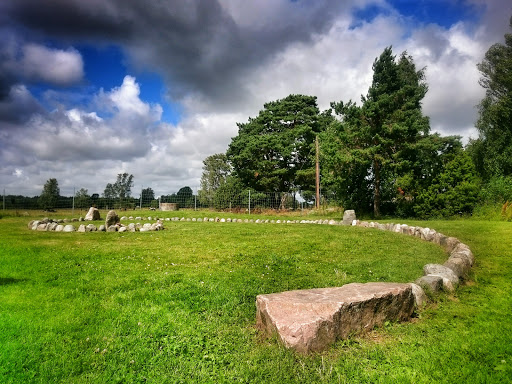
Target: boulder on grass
column 312, row 319
column 93, row 214
column 111, row 219
column 348, row 217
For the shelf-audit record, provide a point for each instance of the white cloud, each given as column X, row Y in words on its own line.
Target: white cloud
column 450, row 57
column 54, row 66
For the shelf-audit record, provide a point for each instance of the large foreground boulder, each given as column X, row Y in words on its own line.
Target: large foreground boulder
column 312, row 319
column 93, row 214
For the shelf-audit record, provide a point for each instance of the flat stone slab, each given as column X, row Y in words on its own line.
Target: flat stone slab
column 312, row 319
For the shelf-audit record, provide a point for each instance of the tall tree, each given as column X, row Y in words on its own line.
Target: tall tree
column 82, row 198
column 148, row 195
column 389, row 123
column 123, row 185
column 185, row 197
column 50, row 195
column 121, row 189
column 216, row 170
column 492, row 151
column 109, row 192
column 274, row 152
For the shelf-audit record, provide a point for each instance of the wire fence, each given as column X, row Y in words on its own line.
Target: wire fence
column 247, row 201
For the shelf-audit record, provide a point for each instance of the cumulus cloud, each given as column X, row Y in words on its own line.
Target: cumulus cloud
column 25, row 63
column 53, row 66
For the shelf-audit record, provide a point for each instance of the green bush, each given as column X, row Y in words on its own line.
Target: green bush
column 497, row 190
column 454, row 191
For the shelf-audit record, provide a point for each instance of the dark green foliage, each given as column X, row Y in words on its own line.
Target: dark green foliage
column 147, row 195
column 375, row 138
column 50, row 195
column 497, row 190
column 492, row 151
column 454, row 191
column 274, row 152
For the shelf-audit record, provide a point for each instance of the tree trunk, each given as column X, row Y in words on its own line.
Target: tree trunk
column 376, row 195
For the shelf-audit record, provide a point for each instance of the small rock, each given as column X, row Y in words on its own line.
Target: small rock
column 420, row 298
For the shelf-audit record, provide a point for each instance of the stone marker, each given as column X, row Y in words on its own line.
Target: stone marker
column 312, row 319
column 112, row 219
column 348, row 217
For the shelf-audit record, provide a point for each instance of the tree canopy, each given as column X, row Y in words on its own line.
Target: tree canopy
column 274, row 152
column 49, row 195
column 375, row 138
column 492, row 151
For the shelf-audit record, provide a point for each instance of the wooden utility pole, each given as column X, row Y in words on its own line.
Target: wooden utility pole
column 317, row 174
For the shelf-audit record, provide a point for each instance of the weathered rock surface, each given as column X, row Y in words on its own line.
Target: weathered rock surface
column 348, row 217
column 420, row 298
column 310, row 320
column 442, row 271
column 111, row 219
column 431, row 283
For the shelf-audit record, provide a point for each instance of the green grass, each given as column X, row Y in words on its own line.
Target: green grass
column 178, row 306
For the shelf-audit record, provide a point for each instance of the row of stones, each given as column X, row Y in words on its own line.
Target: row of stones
column 257, row 221
column 56, row 226
column 436, row 277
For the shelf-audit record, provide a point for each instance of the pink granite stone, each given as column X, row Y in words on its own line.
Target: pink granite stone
column 312, row 319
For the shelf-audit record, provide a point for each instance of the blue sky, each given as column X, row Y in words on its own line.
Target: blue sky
column 92, row 89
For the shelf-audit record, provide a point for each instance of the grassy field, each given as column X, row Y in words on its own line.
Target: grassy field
column 178, row 306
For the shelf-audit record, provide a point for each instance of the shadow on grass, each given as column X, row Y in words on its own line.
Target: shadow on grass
column 10, row 280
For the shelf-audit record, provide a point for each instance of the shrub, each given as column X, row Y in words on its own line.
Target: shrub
column 454, row 191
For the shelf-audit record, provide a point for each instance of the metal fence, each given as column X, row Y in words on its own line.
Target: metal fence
column 247, row 201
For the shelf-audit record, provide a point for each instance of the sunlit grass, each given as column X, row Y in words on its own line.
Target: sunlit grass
column 179, row 305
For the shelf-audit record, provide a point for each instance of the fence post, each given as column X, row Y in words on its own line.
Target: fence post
column 195, row 202
column 249, row 201
column 4, row 199
column 140, row 202
column 73, row 208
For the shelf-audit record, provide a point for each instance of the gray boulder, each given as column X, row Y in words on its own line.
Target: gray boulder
column 348, row 217
column 420, row 298
column 111, row 219
column 442, row 271
column 431, row 283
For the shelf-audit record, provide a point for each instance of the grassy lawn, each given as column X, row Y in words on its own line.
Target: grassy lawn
column 178, row 306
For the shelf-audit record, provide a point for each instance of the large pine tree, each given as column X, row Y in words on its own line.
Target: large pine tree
column 492, row 151
column 377, row 135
